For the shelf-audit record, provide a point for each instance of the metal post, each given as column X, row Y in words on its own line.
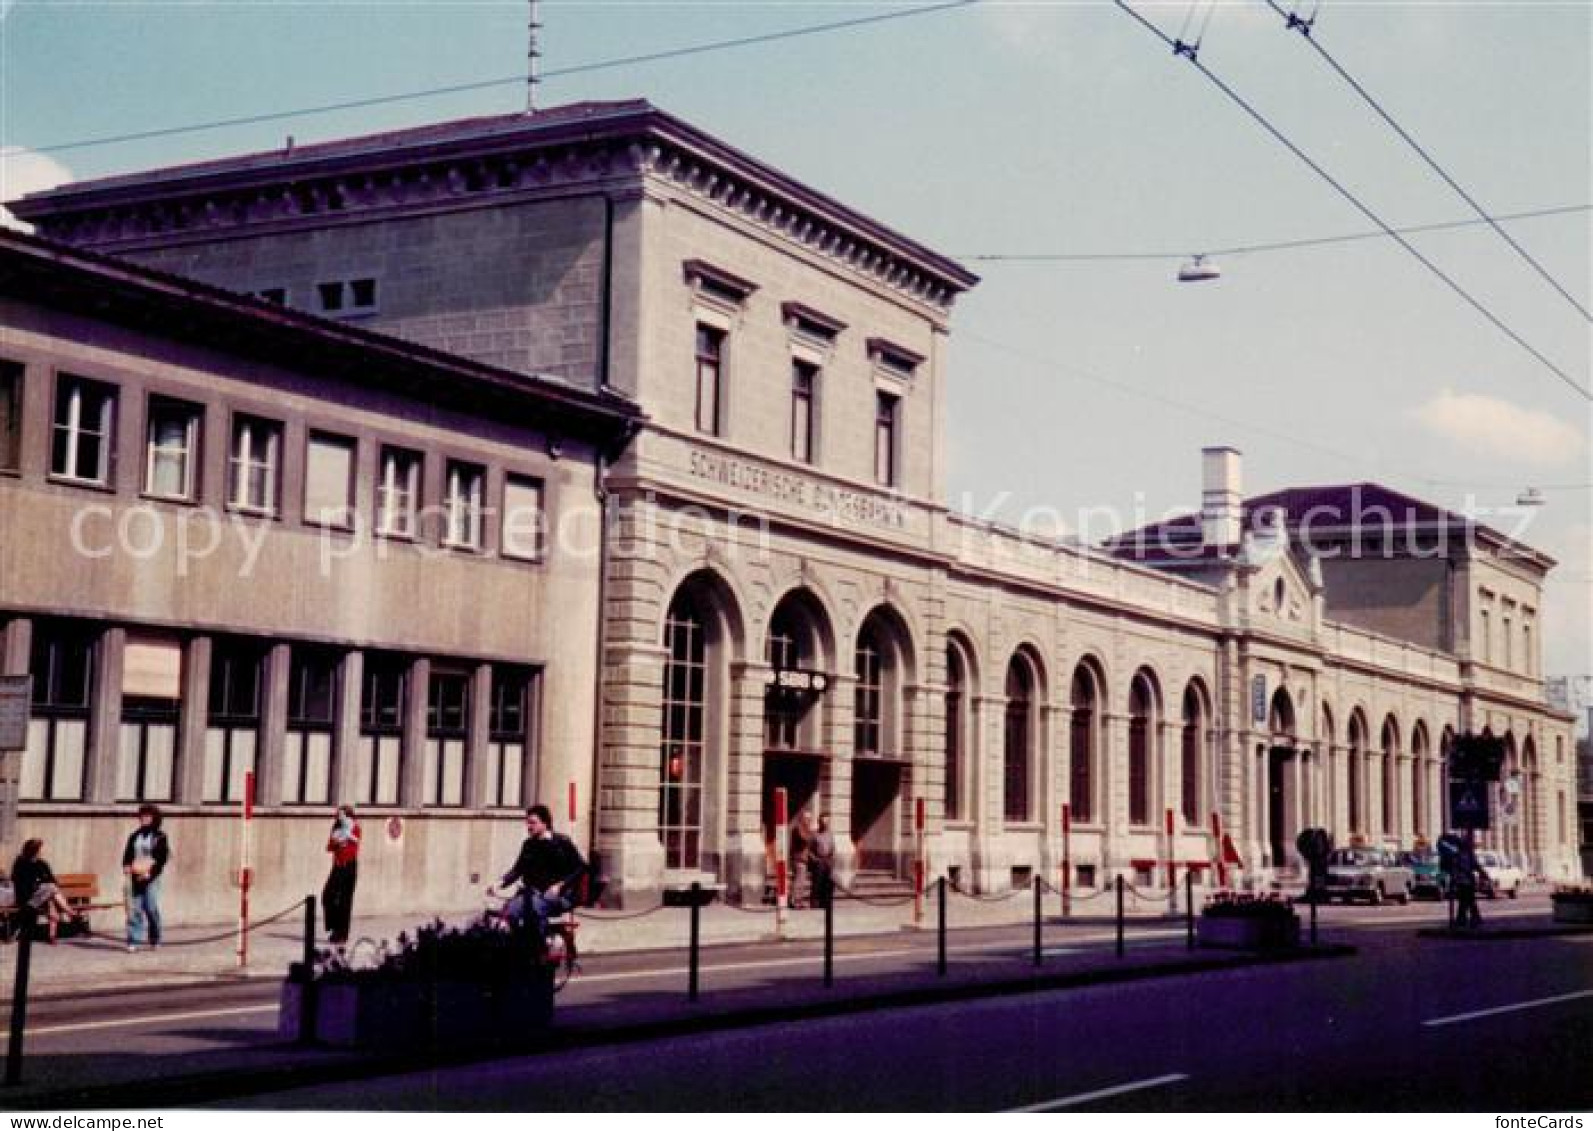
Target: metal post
column 307, row 1002
column 19, row 998
column 1189, row 909
column 696, row 939
column 1067, row 860
column 1120, row 916
column 829, row 941
column 941, row 934
column 1037, row 955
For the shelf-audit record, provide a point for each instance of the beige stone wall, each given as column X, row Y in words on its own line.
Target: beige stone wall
column 518, row 286
column 1404, row 598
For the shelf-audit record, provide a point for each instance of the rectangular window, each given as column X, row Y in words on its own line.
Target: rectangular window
column 804, row 388
column 62, row 666
column 10, row 416
column 147, row 768
column 1509, row 650
column 276, row 296
column 463, row 499
column 523, row 518
column 254, row 464
column 398, row 493
column 382, row 700
column 347, row 296
column 886, row 412
column 1487, row 640
column 331, row 296
column 83, row 434
column 447, row 731
column 312, row 703
column 507, row 732
column 233, row 730
column 710, row 378
column 329, row 480
column 172, row 449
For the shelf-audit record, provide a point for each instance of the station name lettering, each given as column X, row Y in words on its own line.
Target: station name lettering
column 799, row 491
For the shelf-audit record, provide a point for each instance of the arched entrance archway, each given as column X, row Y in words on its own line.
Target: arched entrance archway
column 1281, row 779
column 881, row 664
column 799, row 649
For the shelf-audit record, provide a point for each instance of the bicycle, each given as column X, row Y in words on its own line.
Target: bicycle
column 557, row 951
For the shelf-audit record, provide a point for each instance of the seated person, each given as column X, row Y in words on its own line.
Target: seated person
column 548, row 869
column 36, row 887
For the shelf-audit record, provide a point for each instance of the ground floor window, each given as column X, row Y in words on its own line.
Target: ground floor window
column 507, row 727
column 62, row 665
column 447, row 733
column 147, row 767
column 680, row 811
column 382, row 708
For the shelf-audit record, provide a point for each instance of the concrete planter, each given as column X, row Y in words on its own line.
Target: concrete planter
column 1573, row 909
column 419, row 1015
column 1240, row 933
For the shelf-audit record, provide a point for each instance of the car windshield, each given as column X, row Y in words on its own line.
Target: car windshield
column 1355, row 858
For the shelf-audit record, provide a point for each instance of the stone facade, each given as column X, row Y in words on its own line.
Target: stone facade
column 785, row 599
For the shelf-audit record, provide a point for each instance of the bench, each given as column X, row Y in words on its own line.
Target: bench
column 82, row 892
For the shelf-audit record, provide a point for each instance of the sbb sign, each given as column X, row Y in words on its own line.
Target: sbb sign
column 797, row 679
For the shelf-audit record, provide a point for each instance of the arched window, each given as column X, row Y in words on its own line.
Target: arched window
column 1019, row 740
column 1081, row 780
column 1141, row 734
column 956, row 729
column 1191, row 761
column 1418, row 780
column 869, row 699
column 1390, row 777
column 680, row 815
column 1357, row 756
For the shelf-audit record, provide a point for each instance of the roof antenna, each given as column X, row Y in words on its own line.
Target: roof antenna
column 532, row 56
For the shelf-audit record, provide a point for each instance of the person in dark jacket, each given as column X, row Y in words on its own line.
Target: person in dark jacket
column 143, row 863
column 548, row 869
column 337, row 897
column 36, row 888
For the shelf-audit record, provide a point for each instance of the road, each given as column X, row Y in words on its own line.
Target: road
column 1352, row 1033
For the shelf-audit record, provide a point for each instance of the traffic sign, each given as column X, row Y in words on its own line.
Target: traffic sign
column 1468, row 805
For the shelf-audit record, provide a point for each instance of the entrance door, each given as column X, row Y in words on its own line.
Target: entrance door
column 1278, row 759
column 799, row 777
column 875, row 789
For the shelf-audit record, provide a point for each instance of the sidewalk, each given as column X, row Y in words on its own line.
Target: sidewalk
column 198, row 954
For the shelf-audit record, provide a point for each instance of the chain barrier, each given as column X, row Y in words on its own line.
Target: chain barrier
column 615, row 916
column 977, row 898
column 875, row 900
column 760, row 909
column 232, row 933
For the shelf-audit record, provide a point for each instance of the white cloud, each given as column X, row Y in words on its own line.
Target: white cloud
column 1494, row 427
column 23, row 171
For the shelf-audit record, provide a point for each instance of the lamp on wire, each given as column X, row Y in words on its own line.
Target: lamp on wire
column 1199, row 270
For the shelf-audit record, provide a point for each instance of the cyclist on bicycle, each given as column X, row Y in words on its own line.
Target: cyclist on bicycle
column 548, row 870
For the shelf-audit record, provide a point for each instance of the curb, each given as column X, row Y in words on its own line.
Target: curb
column 1505, row 934
column 220, row 1085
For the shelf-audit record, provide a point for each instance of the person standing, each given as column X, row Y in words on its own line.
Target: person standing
column 337, row 897
column 1464, row 881
column 801, row 847
column 821, row 862
column 143, row 863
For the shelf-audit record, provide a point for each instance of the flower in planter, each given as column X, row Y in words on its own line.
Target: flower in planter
column 1232, row 905
column 477, row 953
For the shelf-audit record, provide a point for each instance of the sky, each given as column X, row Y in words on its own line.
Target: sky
column 1038, row 128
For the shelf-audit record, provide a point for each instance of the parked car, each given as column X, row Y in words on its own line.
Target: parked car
column 1372, row 874
column 1428, row 878
column 1499, row 875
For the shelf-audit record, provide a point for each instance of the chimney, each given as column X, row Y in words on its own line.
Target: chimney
column 1220, row 496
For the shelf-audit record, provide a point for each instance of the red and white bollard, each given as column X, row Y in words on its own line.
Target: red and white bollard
column 245, row 870
column 1172, row 862
column 782, row 857
column 1217, row 857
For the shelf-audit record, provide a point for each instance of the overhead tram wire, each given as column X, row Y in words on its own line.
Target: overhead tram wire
column 1256, row 248
column 1211, row 76
column 515, row 80
column 1304, row 26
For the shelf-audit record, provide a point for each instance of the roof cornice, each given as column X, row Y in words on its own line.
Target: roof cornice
column 606, row 147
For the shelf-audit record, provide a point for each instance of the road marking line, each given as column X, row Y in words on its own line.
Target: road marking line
column 1498, row 1009
column 151, row 1019
column 1100, row 1094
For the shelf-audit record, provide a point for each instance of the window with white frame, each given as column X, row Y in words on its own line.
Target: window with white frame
column 233, row 731
column 887, row 412
column 307, row 762
column 804, row 399
column 82, row 444
column 464, row 497
column 172, row 449
column 398, row 493
column 524, row 521
column 329, row 480
column 710, row 379
column 147, row 769
column 254, row 464
column 447, row 735
column 507, row 731
column 62, row 666
column 382, row 705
